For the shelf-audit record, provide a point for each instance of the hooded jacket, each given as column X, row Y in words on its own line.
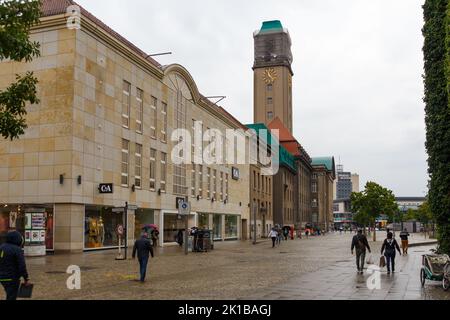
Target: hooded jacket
column 12, row 260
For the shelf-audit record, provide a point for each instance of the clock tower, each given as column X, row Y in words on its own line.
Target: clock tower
column 273, row 74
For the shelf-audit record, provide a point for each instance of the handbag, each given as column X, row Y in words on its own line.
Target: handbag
column 370, row 260
column 25, row 291
column 382, row 261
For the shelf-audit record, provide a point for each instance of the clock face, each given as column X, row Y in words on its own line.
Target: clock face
column 270, row 75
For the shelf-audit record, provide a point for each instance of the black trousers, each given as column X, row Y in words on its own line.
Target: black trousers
column 11, row 289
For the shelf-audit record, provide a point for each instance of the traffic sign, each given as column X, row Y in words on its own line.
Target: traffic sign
column 120, row 230
column 184, row 208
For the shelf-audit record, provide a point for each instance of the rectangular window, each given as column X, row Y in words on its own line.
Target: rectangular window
column 125, row 161
column 208, row 183
column 126, row 101
column 200, row 180
column 270, row 115
column 214, row 184
column 152, row 169
column 193, row 182
column 180, row 186
column 138, row 166
column 154, row 117
column 226, row 187
column 269, row 87
column 314, row 187
column 270, row 100
column 221, row 186
column 163, row 171
column 139, row 110
column 164, row 122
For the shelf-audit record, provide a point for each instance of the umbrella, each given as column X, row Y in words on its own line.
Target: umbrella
column 150, row 226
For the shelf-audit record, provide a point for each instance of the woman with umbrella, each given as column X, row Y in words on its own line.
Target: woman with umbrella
column 153, row 231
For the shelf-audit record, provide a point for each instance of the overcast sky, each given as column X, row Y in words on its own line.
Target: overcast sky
column 358, row 65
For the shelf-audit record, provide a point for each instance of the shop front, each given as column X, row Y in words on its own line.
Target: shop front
column 100, row 227
column 34, row 222
column 217, row 227
column 231, row 227
column 143, row 218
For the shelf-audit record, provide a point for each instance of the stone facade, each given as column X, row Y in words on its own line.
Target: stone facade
column 75, row 139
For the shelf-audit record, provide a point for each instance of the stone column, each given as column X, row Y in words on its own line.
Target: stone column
column 69, row 227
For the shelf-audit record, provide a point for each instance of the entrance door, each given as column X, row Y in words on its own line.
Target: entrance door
column 244, row 229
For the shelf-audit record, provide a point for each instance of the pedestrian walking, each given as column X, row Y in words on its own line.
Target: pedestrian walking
column 405, row 242
column 144, row 249
column 180, row 237
column 273, row 234
column 307, row 233
column 389, row 246
column 12, row 265
column 361, row 244
column 286, row 233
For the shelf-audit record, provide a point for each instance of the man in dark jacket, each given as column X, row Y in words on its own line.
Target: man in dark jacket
column 360, row 243
column 144, row 248
column 12, row 265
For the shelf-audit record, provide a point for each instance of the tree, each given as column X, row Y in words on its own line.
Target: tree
column 16, row 19
column 374, row 201
column 424, row 215
column 436, row 50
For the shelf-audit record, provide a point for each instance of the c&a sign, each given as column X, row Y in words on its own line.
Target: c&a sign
column 105, row 188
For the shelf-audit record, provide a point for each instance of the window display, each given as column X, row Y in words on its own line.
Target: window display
column 143, row 217
column 171, row 227
column 231, row 223
column 203, row 221
column 34, row 222
column 100, row 227
column 217, row 221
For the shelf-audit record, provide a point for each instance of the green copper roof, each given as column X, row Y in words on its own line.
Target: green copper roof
column 286, row 159
column 328, row 162
column 274, row 25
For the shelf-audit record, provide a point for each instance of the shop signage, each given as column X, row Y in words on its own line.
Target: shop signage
column 105, row 188
column 132, row 207
column 118, row 210
column 235, row 173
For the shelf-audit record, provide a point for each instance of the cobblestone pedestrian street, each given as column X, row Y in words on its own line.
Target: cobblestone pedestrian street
column 316, row 268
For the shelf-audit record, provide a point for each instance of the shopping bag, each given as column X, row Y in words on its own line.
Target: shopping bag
column 370, row 260
column 382, row 261
column 25, row 291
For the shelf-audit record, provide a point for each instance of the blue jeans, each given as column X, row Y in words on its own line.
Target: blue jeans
column 390, row 261
column 11, row 289
column 143, row 267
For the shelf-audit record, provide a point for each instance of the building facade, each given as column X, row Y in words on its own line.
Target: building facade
column 324, row 173
column 100, row 141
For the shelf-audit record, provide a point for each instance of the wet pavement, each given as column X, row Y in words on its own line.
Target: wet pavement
column 319, row 268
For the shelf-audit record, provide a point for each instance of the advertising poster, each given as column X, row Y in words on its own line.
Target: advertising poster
column 28, row 236
column 35, row 236
column 42, row 236
column 38, row 221
column 27, row 221
column 13, row 220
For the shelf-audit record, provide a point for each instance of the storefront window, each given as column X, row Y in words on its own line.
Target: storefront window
column 217, row 220
column 231, row 226
column 143, row 217
column 34, row 222
column 203, row 221
column 171, row 227
column 100, row 227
